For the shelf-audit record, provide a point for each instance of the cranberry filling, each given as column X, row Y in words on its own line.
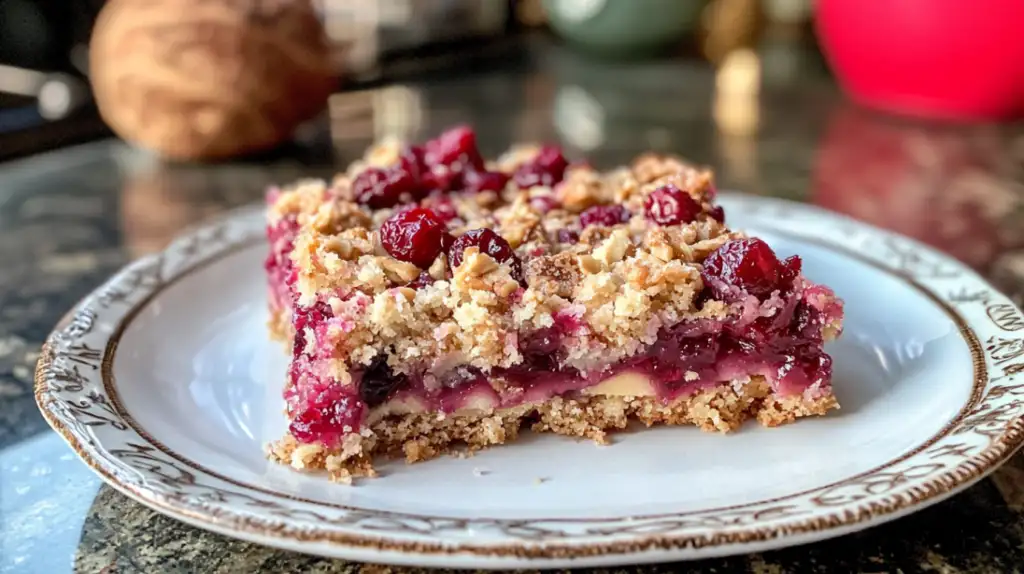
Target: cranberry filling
column 786, row 349
column 685, row 358
column 328, row 412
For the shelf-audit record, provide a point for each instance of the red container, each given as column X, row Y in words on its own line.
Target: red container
column 951, row 59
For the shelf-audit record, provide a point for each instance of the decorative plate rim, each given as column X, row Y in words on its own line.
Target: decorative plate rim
column 77, row 395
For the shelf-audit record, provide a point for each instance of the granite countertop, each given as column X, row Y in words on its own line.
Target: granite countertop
column 69, row 219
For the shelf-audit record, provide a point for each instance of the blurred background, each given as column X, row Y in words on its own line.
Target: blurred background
column 903, row 115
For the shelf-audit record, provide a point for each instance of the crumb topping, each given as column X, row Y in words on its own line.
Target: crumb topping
column 619, row 282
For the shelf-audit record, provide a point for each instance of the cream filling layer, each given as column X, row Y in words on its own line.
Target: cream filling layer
column 629, row 384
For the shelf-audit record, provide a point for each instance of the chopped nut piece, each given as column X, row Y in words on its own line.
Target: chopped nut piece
column 439, row 268
column 581, row 188
column 590, row 265
column 399, row 271
column 553, row 275
column 613, row 249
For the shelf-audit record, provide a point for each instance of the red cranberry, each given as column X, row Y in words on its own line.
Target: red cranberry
column 456, row 149
column 414, row 235
column 791, row 267
column 544, row 204
column 717, row 213
column 441, row 178
column 568, row 236
column 446, row 242
column 669, row 205
column 411, row 160
column 380, row 188
column 324, row 418
column 547, row 168
column 379, row 381
column 480, row 181
column 489, row 243
column 442, row 207
column 604, row 215
column 750, row 265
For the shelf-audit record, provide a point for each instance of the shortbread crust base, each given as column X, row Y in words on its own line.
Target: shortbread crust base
column 422, row 436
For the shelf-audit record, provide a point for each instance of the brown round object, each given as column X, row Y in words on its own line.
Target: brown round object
column 208, row 79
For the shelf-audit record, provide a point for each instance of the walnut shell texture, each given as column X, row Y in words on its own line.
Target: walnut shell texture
column 209, row 79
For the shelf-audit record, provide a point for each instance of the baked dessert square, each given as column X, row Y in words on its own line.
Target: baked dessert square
column 433, row 300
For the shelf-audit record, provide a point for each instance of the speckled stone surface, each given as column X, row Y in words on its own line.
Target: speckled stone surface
column 71, row 218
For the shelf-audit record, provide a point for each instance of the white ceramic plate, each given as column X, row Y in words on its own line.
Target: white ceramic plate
column 165, row 383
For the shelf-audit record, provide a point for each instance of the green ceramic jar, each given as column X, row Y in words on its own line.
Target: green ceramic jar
column 624, row 27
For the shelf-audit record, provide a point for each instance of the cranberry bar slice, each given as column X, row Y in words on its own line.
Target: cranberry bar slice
column 433, row 300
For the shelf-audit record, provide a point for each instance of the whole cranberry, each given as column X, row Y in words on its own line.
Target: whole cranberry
column 489, row 243
column 547, row 168
column 380, row 188
column 456, row 149
column 605, row 215
column 480, row 181
column 751, row 265
column 415, row 235
column 669, row 205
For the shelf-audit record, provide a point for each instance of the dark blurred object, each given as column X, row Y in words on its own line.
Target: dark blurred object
column 193, row 79
column 729, row 25
column 952, row 187
column 42, row 53
column 42, row 34
column 44, row 97
column 367, row 34
column 624, row 29
column 530, row 13
column 934, row 58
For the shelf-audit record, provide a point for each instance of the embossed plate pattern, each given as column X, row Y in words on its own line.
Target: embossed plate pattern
column 160, row 382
